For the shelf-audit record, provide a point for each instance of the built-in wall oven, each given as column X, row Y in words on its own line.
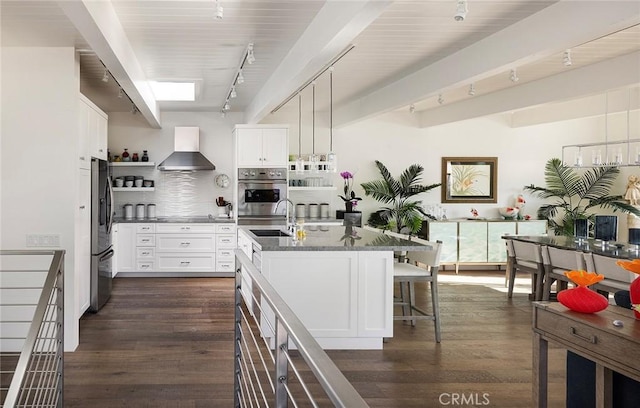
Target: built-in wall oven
column 259, row 190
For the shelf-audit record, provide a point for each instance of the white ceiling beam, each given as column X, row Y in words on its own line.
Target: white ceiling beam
column 98, row 23
column 600, row 77
column 331, row 31
column 562, row 25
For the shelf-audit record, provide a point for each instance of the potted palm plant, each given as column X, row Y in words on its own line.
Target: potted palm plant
column 576, row 194
column 402, row 213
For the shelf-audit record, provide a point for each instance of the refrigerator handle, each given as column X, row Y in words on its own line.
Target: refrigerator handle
column 106, row 256
column 110, row 214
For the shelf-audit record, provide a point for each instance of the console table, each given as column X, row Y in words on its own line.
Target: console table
column 592, row 336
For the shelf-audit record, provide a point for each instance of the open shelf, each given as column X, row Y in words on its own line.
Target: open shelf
column 132, row 164
column 134, row 189
column 308, row 188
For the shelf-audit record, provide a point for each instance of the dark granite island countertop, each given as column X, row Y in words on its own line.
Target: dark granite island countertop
column 332, row 238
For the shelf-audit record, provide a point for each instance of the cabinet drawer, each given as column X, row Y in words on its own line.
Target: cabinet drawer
column 225, row 241
column 225, row 253
column 146, row 228
column 191, row 262
column 225, row 228
column 144, row 266
column 591, row 338
column 186, row 228
column 145, row 253
column 145, row 240
column 225, row 266
column 185, row 243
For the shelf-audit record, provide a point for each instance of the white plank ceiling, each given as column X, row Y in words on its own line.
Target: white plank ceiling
column 394, row 42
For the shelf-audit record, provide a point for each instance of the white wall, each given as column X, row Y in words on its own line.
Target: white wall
column 176, row 193
column 38, row 155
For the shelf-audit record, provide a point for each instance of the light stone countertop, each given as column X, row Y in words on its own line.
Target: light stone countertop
column 185, row 220
column 332, row 238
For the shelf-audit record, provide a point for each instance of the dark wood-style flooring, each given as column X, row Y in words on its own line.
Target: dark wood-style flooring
column 168, row 342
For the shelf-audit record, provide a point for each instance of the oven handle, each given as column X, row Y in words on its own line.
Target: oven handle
column 283, row 181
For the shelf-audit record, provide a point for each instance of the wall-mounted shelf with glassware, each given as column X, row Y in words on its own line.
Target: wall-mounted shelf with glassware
column 134, row 189
column 313, row 178
column 132, row 164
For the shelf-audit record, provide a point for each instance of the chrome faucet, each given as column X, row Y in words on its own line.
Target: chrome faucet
column 291, row 222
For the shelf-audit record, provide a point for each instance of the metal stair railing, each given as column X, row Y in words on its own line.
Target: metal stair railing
column 277, row 360
column 31, row 328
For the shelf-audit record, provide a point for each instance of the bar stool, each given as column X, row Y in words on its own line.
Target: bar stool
column 525, row 257
column 556, row 262
column 422, row 266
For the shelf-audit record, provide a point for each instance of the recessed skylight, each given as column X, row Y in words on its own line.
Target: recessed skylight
column 174, row 91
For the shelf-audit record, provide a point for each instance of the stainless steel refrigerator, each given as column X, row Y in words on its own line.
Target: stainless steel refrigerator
column 101, row 223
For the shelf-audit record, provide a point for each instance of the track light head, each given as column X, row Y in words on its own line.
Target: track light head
column 250, row 57
column 233, row 93
column 227, row 106
column 461, row 10
column 240, row 78
column 412, row 108
column 219, row 11
column 514, row 76
column 223, row 114
column 472, row 90
column 566, row 60
column 120, row 93
column 440, row 99
column 105, row 76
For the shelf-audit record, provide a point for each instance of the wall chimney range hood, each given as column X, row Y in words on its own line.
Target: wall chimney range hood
column 186, row 155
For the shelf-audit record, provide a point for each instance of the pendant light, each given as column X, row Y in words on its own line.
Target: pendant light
column 299, row 160
column 332, row 159
column 313, row 159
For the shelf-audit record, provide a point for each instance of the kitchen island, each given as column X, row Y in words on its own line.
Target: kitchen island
column 338, row 280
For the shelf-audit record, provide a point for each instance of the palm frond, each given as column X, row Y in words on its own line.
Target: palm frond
column 410, row 177
column 380, row 190
column 394, row 184
column 560, row 178
column 598, row 182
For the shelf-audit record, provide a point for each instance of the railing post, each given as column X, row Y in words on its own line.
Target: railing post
column 60, row 322
column 281, row 365
column 236, row 337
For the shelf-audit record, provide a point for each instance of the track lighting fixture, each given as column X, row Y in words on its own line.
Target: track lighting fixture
column 120, row 93
column 250, row 57
column 461, row 10
column 105, row 76
column 566, row 60
column 412, row 108
column 440, row 99
column 472, row 90
column 238, row 77
column 219, row 10
column 223, row 114
column 514, row 76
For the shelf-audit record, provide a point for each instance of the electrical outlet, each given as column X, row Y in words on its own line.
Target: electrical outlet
column 43, row 240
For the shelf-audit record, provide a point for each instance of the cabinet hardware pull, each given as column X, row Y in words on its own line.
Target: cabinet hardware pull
column 590, row 339
column 82, row 207
column 145, row 240
column 82, row 158
column 185, row 262
column 185, row 243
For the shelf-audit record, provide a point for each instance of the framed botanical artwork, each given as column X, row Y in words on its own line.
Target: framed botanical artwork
column 469, row 179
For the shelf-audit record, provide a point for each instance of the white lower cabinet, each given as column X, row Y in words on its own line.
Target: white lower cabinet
column 125, row 248
column 160, row 248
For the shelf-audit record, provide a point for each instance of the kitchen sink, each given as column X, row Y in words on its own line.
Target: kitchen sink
column 269, row 233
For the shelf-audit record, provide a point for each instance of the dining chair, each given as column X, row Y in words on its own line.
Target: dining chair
column 615, row 278
column 525, row 257
column 421, row 266
column 556, row 262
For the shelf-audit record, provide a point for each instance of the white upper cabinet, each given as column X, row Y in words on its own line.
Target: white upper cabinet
column 93, row 132
column 262, row 146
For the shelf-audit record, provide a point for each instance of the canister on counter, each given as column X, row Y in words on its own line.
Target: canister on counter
column 324, row 210
column 301, row 211
column 151, row 211
column 314, row 211
column 140, row 211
